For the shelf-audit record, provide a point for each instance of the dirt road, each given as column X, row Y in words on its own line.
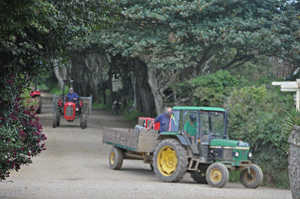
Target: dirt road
column 75, row 165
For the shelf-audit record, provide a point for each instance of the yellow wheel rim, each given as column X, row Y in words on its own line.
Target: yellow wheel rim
column 215, row 175
column 112, row 158
column 167, row 161
column 250, row 176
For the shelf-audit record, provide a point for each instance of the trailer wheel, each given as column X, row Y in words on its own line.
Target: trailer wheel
column 199, row 177
column 116, row 158
column 217, row 175
column 170, row 160
column 254, row 178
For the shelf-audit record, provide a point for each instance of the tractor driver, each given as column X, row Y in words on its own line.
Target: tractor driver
column 190, row 128
column 72, row 96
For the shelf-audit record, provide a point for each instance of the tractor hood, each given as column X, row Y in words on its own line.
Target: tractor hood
column 217, row 143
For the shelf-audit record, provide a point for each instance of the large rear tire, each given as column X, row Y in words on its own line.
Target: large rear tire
column 58, row 120
column 83, row 120
column 254, row 178
column 83, row 117
column 39, row 111
column 170, row 161
column 54, row 119
column 116, row 158
column 217, row 175
column 56, row 116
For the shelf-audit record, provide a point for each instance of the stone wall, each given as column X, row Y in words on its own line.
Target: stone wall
column 294, row 162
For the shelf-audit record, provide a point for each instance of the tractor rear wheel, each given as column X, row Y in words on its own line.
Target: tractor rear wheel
column 83, row 120
column 217, row 175
column 40, row 106
column 116, row 158
column 170, row 160
column 58, row 120
column 83, row 117
column 254, row 178
column 199, row 177
column 54, row 118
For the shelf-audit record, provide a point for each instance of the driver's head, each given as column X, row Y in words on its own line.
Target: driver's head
column 71, row 90
column 168, row 112
column 193, row 117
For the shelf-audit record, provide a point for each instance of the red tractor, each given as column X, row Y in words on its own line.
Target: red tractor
column 36, row 94
column 72, row 109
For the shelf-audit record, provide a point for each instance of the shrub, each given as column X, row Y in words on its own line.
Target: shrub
column 133, row 115
column 256, row 116
column 20, row 131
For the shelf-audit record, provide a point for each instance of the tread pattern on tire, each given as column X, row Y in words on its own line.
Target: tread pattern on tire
column 224, row 171
column 83, row 117
column 56, row 116
column 119, row 156
column 182, row 159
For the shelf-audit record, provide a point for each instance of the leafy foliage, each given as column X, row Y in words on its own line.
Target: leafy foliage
column 256, row 117
column 21, row 136
column 207, row 90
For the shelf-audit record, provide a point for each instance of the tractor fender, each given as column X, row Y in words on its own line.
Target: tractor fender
column 180, row 138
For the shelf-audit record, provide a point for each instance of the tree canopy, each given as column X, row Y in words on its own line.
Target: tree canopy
column 199, row 36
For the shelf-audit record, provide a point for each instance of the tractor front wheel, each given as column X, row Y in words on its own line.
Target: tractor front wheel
column 170, row 160
column 116, row 158
column 217, row 175
column 253, row 178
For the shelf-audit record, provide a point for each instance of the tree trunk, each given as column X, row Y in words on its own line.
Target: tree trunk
column 146, row 99
column 155, row 88
column 294, row 162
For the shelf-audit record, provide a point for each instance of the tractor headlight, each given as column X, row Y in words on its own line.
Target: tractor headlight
column 249, row 154
column 236, row 154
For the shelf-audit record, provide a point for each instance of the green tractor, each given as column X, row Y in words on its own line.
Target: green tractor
column 203, row 149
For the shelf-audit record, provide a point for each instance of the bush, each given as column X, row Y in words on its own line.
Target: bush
column 21, row 136
column 133, row 115
column 20, row 131
column 256, row 116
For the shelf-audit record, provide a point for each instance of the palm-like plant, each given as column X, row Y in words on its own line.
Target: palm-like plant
column 292, row 118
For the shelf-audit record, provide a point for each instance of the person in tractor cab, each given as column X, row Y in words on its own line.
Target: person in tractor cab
column 72, row 96
column 190, row 128
column 164, row 121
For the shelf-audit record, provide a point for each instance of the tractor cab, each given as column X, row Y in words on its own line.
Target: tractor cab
column 203, row 130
